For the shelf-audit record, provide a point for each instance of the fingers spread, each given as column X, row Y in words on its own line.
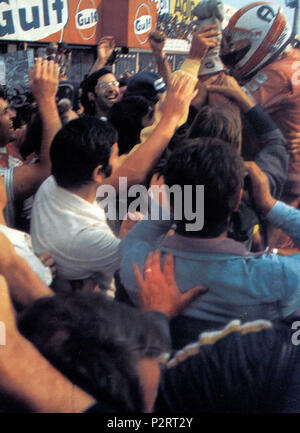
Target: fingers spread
column 156, row 263
column 169, row 269
column 148, row 263
column 193, row 294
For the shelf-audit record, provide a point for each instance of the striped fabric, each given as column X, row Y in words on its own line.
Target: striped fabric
column 212, row 337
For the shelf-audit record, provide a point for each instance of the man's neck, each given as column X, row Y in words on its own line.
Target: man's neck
column 101, row 112
column 203, row 234
column 198, row 235
column 86, row 192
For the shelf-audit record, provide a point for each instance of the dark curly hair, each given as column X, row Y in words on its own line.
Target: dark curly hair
column 219, row 168
column 94, row 341
column 78, row 148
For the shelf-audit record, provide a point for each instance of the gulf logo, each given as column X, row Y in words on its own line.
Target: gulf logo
column 143, row 23
column 86, row 19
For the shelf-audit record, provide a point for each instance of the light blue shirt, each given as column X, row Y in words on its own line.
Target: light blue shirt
column 241, row 285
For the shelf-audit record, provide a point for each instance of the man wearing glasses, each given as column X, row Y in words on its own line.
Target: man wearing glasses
column 100, row 92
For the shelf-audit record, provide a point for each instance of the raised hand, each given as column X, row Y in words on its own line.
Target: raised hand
column 260, row 187
column 43, row 80
column 105, row 48
column 157, row 41
column 180, row 93
column 202, row 41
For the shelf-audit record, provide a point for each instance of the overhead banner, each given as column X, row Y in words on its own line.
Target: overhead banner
column 70, row 21
column 86, row 21
column 138, row 20
column 163, row 6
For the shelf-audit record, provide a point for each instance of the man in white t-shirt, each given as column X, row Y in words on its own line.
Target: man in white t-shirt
column 66, row 220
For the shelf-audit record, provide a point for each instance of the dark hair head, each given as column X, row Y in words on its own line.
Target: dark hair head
column 70, row 90
column 238, row 369
column 219, row 168
column 94, row 341
column 88, row 85
column 3, row 92
column 33, row 136
column 126, row 116
column 64, row 105
column 78, row 148
column 217, row 121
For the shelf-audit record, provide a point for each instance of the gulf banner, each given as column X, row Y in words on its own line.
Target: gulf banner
column 71, row 21
column 129, row 21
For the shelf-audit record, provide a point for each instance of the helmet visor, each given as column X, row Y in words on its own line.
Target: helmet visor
column 232, row 57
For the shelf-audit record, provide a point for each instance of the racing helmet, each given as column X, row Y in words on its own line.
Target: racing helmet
column 254, row 36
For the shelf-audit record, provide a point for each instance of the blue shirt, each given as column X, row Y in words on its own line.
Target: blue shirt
column 242, row 285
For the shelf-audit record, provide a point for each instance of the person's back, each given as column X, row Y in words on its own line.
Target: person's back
column 66, row 219
column 241, row 285
column 242, row 368
column 73, row 230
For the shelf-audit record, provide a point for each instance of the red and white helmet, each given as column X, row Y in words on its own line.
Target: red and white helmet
column 254, row 35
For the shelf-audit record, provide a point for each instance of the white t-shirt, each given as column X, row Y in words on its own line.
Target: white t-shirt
column 23, row 246
column 75, row 233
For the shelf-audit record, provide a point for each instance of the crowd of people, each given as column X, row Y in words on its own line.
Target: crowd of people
column 175, row 28
column 150, row 231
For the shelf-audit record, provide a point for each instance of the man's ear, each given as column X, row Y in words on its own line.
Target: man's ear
column 91, row 96
column 98, row 174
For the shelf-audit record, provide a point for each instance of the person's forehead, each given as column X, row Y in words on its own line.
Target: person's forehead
column 107, row 78
column 3, row 104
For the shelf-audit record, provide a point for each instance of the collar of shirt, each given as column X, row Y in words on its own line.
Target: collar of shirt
column 205, row 245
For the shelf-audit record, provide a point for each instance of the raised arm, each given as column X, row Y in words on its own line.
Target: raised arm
column 277, row 213
column 202, row 41
column 28, row 377
column 137, row 166
column 105, row 49
column 44, row 85
column 157, row 41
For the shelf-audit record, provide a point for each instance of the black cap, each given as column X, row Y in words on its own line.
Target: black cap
column 147, row 84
